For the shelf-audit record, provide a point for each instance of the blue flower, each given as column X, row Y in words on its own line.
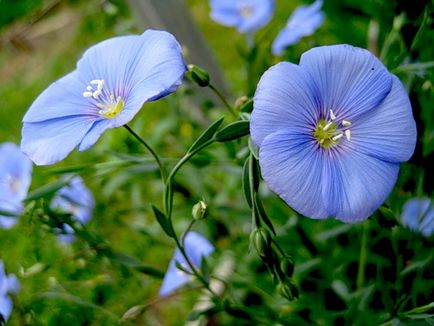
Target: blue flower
column 196, row 247
column 332, row 131
column 418, row 215
column 8, row 284
column 245, row 15
column 15, row 178
column 303, row 22
column 76, row 199
column 112, row 81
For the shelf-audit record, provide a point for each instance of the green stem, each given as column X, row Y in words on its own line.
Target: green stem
column 187, row 230
column 222, row 98
column 149, row 148
column 363, row 256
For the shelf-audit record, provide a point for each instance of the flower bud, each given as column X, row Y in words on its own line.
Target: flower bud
column 261, row 240
column 199, row 210
column 287, row 265
column 288, row 290
column 199, row 75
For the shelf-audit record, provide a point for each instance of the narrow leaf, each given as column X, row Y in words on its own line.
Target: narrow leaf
column 47, row 190
column 233, row 131
column 204, row 269
column 263, row 214
column 163, row 221
column 206, row 135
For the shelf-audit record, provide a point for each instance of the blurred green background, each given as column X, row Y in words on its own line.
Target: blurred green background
column 78, row 285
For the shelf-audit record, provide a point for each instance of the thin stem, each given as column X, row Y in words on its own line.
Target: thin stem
column 187, row 230
column 222, row 98
column 149, row 148
column 363, row 256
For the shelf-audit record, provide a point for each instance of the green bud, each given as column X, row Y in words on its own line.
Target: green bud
column 261, row 240
column 287, row 265
column 199, row 210
column 199, row 75
column 288, row 290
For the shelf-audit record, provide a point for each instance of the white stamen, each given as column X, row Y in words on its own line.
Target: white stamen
column 332, row 115
column 348, row 134
column 337, row 137
column 95, row 82
column 346, row 123
column 327, row 126
column 87, row 94
column 96, row 93
column 89, row 88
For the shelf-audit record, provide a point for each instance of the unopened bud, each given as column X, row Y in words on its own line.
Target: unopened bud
column 199, row 210
column 288, row 290
column 287, row 265
column 261, row 240
column 199, row 75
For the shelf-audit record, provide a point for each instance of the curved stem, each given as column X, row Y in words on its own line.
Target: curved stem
column 149, row 148
column 222, row 98
column 362, row 260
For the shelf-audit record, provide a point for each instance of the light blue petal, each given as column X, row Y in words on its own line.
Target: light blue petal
column 196, row 246
column 303, row 22
column 63, row 98
column 5, row 306
column 173, row 280
column 229, row 13
column 138, row 68
column 13, row 284
column 351, row 81
column 387, row 132
column 292, row 165
column 354, row 184
column 418, row 215
column 285, row 96
column 50, row 141
column 15, row 174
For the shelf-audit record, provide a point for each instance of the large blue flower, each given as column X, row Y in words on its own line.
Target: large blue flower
column 8, row 284
column 245, row 15
column 332, row 132
column 15, row 178
column 418, row 215
column 303, row 22
column 112, row 81
column 76, row 199
column 196, row 247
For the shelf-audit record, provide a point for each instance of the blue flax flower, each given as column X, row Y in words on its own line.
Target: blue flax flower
column 246, row 15
column 15, row 178
column 76, row 199
column 196, row 247
column 112, row 81
column 418, row 215
column 303, row 22
column 332, row 132
column 8, row 284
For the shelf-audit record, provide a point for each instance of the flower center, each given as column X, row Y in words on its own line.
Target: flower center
column 329, row 132
column 246, row 10
column 110, row 106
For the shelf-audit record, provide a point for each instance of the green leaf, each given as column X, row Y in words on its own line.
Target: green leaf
column 132, row 262
column 254, row 149
column 246, row 182
column 163, row 221
column 253, row 174
column 233, row 131
column 204, row 269
column 207, row 135
column 48, row 190
column 247, row 107
column 8, row 214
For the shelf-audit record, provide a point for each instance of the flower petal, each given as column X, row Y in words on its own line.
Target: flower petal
column 303, row 22
column 138, row 68
column 351, row 81
column 286, row 96
column 62, row 98
column 50, row 141
column 5, row 306
column 173, row 279
column 387, row 132
column 355, row 185
column 291, row 165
